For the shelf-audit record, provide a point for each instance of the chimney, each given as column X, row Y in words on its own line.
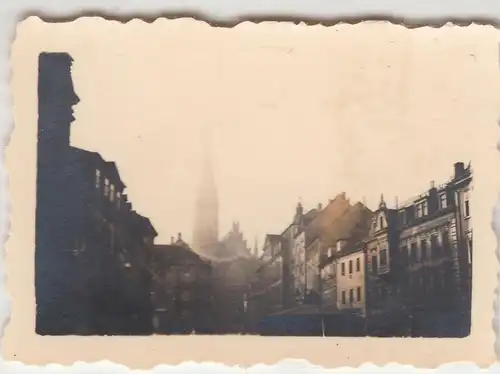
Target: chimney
column 179, row 236
column 320, row 206
column 56, row 97
column 172, row 241
column 459, row 169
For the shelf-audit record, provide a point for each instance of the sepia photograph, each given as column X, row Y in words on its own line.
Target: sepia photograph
column 267, row 180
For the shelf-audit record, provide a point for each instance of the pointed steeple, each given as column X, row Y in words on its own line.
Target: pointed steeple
column 382, row 204
column 206, row 226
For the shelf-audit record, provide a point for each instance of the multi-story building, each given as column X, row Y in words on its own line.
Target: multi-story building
column 181, row 292
column 419, row 261
column 90, row 245
column 350, row 277
column 342, row 264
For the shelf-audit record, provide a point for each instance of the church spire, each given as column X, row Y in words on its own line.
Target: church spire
column 206, row 225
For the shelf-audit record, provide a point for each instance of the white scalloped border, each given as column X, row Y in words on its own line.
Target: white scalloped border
column 227, row 20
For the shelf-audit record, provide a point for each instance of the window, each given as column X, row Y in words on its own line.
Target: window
column 351, row 295
column 424, row 208
column 435, row 249
column 343, row 298
column 413, row 252
column 374, row 265
column 423, row 249
column 383, row 257
column 97, row 178
column 350, row 266
column 402, row 218
column 470, row 250
column 186, row 296
column 106, row 187
column 342, row 267
column 358, row 291
column 442, row 200
column 466, row 206
column 111, row 192
column 381, row 222
column 358, row 264
column 419, row 210
column 118, row 196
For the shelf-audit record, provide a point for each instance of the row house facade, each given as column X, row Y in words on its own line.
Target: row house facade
column 342, row 262
column 419, row 261
column 91, row 246
column 406, row 270
column 181, row 291
column 289, row 274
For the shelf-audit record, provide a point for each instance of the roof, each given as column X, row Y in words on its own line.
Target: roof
column 176, row 255
column 356, row 221
column 144, row 223
column 273, row 239
column 325, row 218
column 109, row 167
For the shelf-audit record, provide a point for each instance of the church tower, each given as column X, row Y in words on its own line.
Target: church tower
column 206, row 225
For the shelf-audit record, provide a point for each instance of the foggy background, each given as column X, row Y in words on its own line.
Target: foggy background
column 295, row 115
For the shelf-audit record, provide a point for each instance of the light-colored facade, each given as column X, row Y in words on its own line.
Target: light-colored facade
column 350, row 280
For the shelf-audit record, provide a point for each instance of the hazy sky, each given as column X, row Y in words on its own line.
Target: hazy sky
column 297, row 113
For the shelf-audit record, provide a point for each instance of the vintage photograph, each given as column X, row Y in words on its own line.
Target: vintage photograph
column 252, row 187
column 340, row 267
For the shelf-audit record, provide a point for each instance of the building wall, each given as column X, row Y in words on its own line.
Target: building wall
column 182, row 294
column 298, row 264
column 81, row 285
column 350, row 280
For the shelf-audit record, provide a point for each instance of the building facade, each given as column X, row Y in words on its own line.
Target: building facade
column 181, row 292
column 91, row 246
column 418, row 263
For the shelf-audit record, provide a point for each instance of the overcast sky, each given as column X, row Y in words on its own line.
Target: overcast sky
column 296, row 113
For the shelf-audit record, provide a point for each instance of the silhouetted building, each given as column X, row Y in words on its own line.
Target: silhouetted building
column 182, row 292
column 233, row 245
column 91, row 246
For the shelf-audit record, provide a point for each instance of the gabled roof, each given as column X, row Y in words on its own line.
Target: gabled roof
column 325, row 218
column 356, row 221
column 176, row 255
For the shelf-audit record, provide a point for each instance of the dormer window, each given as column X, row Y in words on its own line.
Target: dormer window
column 424, row 208
column 402, row 217
column 419, row 210
column 106, row 187
column 97, row 178
column 442, row 201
